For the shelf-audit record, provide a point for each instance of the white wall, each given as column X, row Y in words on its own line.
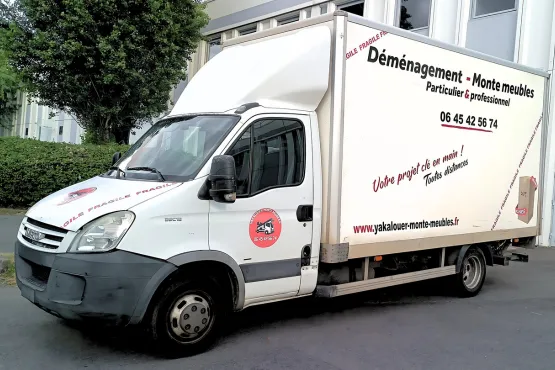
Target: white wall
column 535, row 47
column 220, row 8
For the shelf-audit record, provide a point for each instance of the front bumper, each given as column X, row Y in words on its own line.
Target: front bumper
column 114, row 287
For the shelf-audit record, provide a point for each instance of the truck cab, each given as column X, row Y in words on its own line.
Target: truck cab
column 164, row 210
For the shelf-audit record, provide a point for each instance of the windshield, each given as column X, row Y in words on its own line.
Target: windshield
column 174, row 149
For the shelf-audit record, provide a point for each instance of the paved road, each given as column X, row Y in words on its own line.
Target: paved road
column 510, row 325
column 8, row 232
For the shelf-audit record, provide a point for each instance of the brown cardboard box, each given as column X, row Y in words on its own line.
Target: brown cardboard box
column 526, row 198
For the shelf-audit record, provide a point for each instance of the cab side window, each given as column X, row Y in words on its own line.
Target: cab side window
column 269, row 154
column 241, row 152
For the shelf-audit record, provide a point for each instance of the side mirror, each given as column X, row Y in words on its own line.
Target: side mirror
column 116, row 157
column 222, row 179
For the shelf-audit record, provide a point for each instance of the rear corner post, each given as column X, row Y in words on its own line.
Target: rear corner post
column 338, row 70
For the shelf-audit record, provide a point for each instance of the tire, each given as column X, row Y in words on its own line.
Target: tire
column 188, row 318
column 469, row 281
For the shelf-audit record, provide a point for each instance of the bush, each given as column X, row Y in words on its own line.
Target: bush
column 32, row 169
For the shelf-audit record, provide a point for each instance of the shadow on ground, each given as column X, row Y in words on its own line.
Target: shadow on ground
column 134, row 340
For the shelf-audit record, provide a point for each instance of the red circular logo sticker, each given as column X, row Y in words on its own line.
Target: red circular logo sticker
column 76, row 195
column 265, row 227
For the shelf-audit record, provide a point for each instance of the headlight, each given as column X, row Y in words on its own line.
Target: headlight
column 103, row 234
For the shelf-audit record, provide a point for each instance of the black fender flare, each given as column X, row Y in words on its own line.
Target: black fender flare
column 173, row 265
column 486, row 249
column 216, row 256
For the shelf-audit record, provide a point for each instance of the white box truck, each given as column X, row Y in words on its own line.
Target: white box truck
column 327, row 157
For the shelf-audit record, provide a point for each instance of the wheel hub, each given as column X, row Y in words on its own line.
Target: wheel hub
column 190, row 316
column 472, row 272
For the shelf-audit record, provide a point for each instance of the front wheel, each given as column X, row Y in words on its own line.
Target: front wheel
column 188, row 317
column 470, row 279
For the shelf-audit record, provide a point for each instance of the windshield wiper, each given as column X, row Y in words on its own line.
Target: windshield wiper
column 150, row 169
column 118, row 171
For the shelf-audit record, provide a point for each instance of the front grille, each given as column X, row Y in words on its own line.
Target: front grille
column 39, row 244
column 46, row 226
column 42, row 235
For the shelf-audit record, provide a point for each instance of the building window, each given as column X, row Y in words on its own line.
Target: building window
column 356, row 7
column 61, row 130
column 415, row 14
column 214, row 46
column 486, row 7
column 27, row 131
column 28, row 113
column 251, row 28
column 275, row 149
column 288, row 18
column 308, row 13
column 323, row 8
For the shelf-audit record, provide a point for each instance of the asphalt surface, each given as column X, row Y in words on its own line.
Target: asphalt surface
column 8, row 232
column 510, row 325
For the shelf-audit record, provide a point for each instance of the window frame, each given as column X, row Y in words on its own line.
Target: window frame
column 247, row 30
column 288, row 18
column 215, row 39
column 475, row 16
column 250, row 127
column 398, row 21
column 347, row 3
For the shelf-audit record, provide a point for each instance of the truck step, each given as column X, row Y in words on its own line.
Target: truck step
column 330, row 291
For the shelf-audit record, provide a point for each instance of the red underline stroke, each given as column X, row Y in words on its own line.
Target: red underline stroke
column 466, row 128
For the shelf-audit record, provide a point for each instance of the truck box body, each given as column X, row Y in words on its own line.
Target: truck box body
column 422, row 144
column 434, row 144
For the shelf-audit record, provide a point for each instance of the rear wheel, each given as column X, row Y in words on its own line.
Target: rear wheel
column 188, row 317
column 470, row 279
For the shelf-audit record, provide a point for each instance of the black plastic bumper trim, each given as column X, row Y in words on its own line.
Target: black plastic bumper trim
column 119, row 284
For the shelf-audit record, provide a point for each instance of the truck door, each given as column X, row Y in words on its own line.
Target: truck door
column 269, row 225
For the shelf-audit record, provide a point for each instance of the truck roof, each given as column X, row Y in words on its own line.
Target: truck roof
column 290, row 72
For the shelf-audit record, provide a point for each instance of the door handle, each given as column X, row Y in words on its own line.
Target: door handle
column 304, row 213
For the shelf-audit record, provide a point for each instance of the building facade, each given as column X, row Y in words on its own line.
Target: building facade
column 520, row 31
column 33, row 121
column 497, row 27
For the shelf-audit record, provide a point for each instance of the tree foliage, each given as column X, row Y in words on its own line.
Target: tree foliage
column 10, row 82
column 109, row 63
column 404, row 22
column 11, row 11
column 9, row 85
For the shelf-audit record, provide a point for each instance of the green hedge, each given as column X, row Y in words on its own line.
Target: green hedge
column 32, row 169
